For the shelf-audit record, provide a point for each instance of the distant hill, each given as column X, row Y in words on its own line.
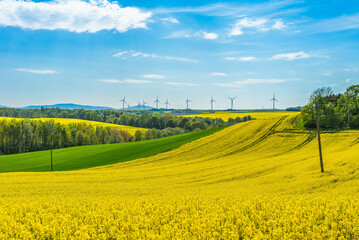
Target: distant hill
column 69, row 106
column 140, row 107
column 2, row 106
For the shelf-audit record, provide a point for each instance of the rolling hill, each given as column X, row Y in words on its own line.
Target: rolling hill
column 255, row 180
column 129, row 129
column 69, row 106
column 75, row 158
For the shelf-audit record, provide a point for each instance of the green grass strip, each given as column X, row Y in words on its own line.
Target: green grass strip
column 76, row 158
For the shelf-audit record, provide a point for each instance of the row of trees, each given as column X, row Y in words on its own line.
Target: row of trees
column 145, row 120
column 336, row 111
column 18, row 136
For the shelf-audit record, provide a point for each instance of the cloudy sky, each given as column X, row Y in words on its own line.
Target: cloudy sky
column 97, row 51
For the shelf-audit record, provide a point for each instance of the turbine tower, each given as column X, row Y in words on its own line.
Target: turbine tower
column 144, row 105
column 139, row 105
column 188, row 101
column 167, row 103
column 212, row 101
column 274, row 100
column 157, row 101
column 232, row 99
column 123, row 102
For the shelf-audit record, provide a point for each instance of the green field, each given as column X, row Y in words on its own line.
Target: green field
column 95, row 155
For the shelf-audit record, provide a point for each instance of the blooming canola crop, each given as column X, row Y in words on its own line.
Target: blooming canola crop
column 254, row 180
column 129, row 129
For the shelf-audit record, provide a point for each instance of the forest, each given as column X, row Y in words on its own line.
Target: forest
column 27, row 135
column 144, row 120
column 335, row 111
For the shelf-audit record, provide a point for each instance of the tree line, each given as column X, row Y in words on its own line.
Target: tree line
column 19, row 136
column 144, row 120
column 336, row 111
column 26, row 135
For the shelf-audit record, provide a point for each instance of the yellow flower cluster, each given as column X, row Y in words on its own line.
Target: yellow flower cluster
column 129, row 129
column 254, row 180
column 234, row 114
column 266, row 218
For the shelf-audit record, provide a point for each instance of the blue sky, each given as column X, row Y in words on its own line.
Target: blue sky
column 96, row 52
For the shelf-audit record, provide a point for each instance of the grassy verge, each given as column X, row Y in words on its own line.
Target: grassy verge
column 76, row 158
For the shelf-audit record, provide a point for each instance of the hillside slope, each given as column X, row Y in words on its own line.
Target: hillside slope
column 254, row 180
column 129, row 129
column 75, row 158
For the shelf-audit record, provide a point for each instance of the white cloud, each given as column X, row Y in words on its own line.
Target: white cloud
column 327, row 74
column 133, row 81
column 236, row 31
column 170, row 20
column 182, row 84
column 218, row 74
column 290, row 56
column 71, row 15
column 341, row 23
column 36, row 71
column 256, row 24
column 131, row 53
column 351, row 69
column 278, row 24
column 251, row 23
column 348, row 80
column 230, row 58
column 246, row 22
column 234, row 9
column 210, row 36
column 229, row 85
column 242, row 59
column 156, row 76
column 179, row 34
column 254, row 81
column 247, row 59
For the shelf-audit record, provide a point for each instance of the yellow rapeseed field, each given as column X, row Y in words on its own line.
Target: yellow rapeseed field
column 234, row 114
column 129, row 129
column 255, row 180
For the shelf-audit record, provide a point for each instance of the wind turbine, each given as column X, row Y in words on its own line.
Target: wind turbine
column 188, row 101
column 167, row 103
column 274, row 100
column 212, row 101
column 144, row 105
column 123, row 102
column 139, row 105
column 157, row 101
column 232, row 99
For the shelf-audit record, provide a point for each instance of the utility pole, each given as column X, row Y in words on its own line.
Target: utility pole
column 348, row 106
column 319, row 143
column 52, row 164
column 51, row 126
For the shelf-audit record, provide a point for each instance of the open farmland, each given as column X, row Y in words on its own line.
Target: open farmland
column 75, row 158
column 129, row 129
column 254, row 180
column 241, row 114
